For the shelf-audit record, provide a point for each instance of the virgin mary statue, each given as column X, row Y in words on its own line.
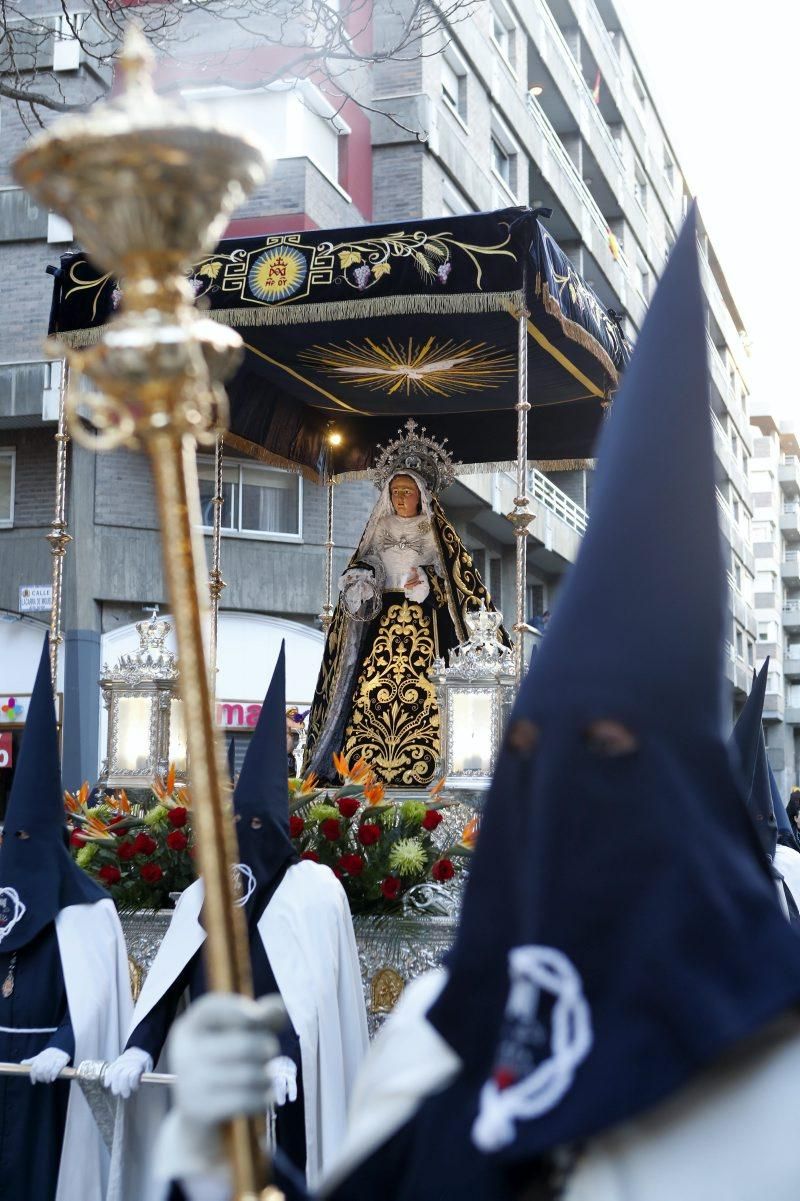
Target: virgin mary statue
column 402, row 601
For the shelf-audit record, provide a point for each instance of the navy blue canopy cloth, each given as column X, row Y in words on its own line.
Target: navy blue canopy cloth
column 355, row 330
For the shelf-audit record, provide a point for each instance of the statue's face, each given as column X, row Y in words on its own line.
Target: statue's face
column 405, row 496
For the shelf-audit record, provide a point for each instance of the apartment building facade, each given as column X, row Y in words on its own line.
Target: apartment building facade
column 534, row 103
column 775, row 485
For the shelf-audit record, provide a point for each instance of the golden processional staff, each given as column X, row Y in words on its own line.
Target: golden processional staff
column 148, row 187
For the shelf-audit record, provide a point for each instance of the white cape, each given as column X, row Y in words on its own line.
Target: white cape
column 731, row 1136
column 787, row 862
column 407, row 1062
column 95, row 966
column 308, row 937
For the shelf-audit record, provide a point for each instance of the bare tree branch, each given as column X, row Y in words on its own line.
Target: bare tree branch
column 241, row 44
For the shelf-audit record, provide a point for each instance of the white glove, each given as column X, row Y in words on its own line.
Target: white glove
column 122, row 1076
column 219, row 1051
column 283, row 1076
column 47, row 1064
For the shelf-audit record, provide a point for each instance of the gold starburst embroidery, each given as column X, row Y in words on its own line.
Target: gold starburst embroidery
column 433, row 367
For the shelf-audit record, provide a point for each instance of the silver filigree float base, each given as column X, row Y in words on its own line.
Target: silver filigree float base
column 393, row 949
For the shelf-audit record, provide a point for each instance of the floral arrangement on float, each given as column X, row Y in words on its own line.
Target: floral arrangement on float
column 140, row 852
column 379, row 848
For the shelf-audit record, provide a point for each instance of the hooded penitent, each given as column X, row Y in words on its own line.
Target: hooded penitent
column 747, row 741
column 38, row 876
column 64, row 976
column 593, row 977
column 261, row 801
column 786, row 836
column 301, row 946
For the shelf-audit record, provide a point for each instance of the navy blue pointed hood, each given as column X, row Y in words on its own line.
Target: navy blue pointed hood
column 261, row 799
column 786, row 836
column 747, row 740
column 38, row 876
column 591, row 978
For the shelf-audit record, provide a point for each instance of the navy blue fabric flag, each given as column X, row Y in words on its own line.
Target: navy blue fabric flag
column 38, row 876
column 748, row 740
column 354, row 330
column 261, row 800
column 593, row 977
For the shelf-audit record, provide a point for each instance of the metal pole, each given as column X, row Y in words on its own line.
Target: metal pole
column 521, row 516
column 58, row 536
column 215, row 581
column 23, row 1069
column 326, row 616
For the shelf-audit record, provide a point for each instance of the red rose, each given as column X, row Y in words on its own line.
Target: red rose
column 177, row 817
column 116, row 820
column 110, row 874
column 352, row 864
column 338, row 873
column 443, row 870
column 177, row 841
column 368, row 834
column 431, row 819
column 151, row 873
column 331, row 829
column 77, row 839
column 126, row 850
column 390, row 887
column 312, row 856
column 296, row 826
column 143, row 844
column 348, row 806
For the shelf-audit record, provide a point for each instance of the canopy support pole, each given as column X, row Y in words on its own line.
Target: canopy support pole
column 215, row 581
column 58, row 536
column 326, row 616
column 521, row 516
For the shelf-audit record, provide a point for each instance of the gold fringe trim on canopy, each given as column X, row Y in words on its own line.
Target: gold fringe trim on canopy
column 575, row 332
column 254, row 451
column 441, row 303
column 486, row 468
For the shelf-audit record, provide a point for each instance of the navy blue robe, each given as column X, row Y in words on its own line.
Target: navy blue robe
column 33, row 1116
column 151, row 1035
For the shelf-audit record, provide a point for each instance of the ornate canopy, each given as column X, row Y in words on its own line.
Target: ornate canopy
column 351, row 331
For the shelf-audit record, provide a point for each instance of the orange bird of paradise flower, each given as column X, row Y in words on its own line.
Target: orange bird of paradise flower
column 469, row 836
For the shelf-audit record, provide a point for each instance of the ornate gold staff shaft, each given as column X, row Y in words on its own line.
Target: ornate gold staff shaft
column 58, row 536
column 148, row 186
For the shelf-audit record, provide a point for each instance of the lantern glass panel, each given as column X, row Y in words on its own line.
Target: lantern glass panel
column 134, row 752
column 177, row 736
column 470, row 731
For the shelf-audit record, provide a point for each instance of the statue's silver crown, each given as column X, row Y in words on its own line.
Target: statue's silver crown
column 416, row 451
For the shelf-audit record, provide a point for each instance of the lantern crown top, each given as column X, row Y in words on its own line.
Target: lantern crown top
column 415, row 450
column 483, row 656
column 151, row 662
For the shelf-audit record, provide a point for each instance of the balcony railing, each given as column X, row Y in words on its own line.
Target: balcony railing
column 582, row 193
column 582, row 88
column 543, row 489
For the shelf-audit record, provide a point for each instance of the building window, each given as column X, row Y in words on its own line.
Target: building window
column 504, row 33
column 765, row 581
column 257, row 500
column 767, row 631
column 640, row 184
column 638, row 88
column 7, row 469
column 669, row 168
column 751, row 653
column 504, row 156
column 454, row 203
column 739, row 645
column 454, row 84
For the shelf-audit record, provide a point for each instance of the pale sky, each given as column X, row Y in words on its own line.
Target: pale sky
column 725, row 79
